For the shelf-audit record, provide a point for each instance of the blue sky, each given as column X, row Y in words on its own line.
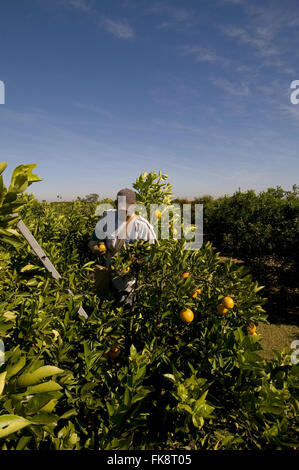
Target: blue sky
column 99, row 91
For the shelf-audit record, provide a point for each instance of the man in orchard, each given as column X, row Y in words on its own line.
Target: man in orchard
column 116, row 229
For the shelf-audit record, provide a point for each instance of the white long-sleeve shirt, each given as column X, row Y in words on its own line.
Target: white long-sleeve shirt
column 108, row 229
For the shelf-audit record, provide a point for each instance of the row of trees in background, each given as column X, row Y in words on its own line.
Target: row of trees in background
column 253, row 225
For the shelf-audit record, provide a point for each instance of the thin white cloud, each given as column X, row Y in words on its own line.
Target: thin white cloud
column 276, row 102
column 95, row 109
column 263, row 30
column 179, row 14
column 179, row 19
column 202, row 54
column 261, row 40
column 243, row 68
column 165, row 25
column 82, row 5
column 281, row 100
column 273, row 19
column 121, row 30
column 241, row 89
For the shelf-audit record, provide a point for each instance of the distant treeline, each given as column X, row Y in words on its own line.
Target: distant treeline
column 249, row 224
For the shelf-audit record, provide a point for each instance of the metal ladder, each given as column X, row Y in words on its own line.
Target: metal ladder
column 36, row 248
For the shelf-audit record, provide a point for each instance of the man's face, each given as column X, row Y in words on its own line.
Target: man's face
column 130, row 209
column 123, row 208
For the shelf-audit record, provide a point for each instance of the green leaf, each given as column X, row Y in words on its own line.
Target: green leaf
column 11, row 423
column 170, row 377
column 29, row 267
column 49, row 407
column 10, row 316
column 31, row 378
column 182, row 392
column 110, row 409
column 22, row 177
column 11, row 201
column 24, row 440
column 19, row 184
column 140, row 373
column 2, row 190
column 41, row 402
column 11, row 241
column 198, row 421
column 13, row 369
column 3, row 165
column 201, row 400
column 44, row 418
column 68, row 414
column 7, row 233
column 2, row 381
column 127, row 397
column 184, row 406
column 49, row 386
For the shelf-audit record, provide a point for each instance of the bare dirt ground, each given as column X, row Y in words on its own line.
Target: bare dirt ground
column 276, row 337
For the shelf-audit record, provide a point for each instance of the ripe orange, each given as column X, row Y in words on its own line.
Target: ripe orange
column 158, row 214
column 252, row 329
column 126, row 270
column 114, row 352
column 185, row 275
column 194, row 293
column 174, row 230
column 187, row 315
column 102, row 247
column 228, row 302
column 221, row 309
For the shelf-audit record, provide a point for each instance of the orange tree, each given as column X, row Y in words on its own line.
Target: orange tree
column 140, row 377
column 217, row 378
column 249, row 225
column 28, row 389
column 200, row 384
column 253, row 225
